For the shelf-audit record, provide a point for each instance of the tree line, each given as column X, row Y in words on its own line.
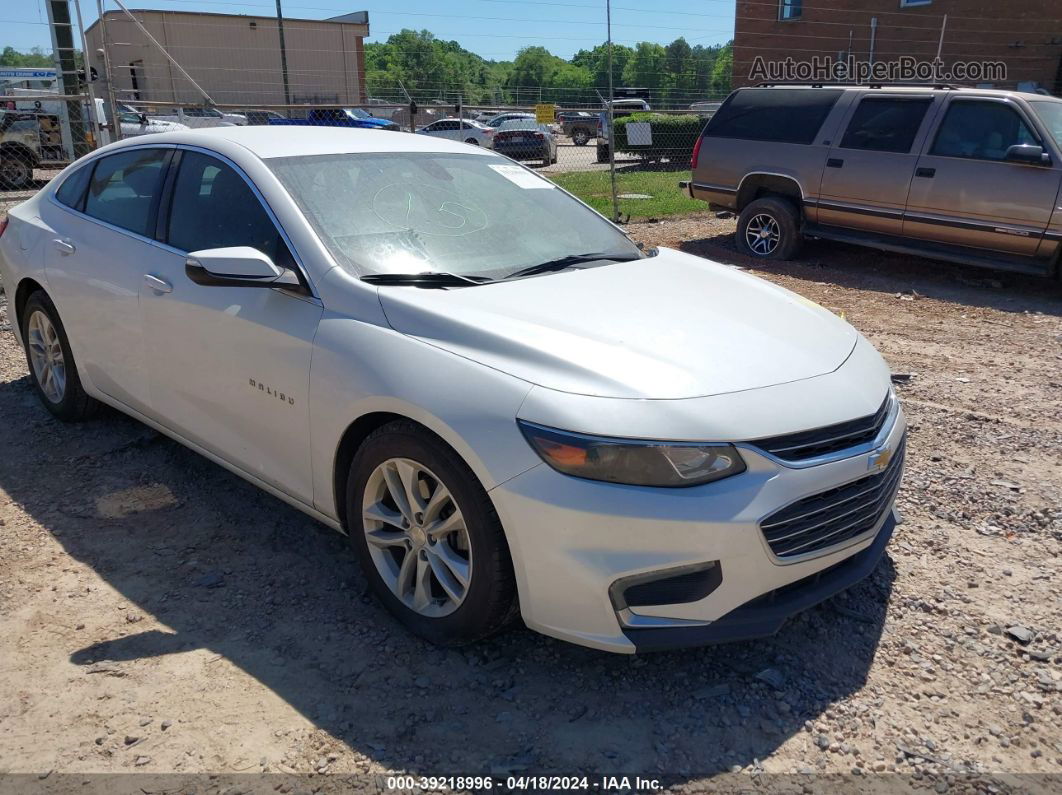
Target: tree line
column 428, row 68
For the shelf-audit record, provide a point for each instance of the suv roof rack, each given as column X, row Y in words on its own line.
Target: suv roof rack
column 935, row 86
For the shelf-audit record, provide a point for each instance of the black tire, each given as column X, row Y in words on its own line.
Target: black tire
column 16, row 169
column 547, row 159
column 472, row 141
column 602, row 153
column 75, row 404
column 580, row 137
column 490, row 602
column 786, row 221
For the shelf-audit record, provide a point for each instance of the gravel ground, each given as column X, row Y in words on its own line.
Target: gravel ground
column 160, row 615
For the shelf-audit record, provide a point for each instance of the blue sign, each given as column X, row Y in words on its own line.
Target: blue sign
column 29, row 74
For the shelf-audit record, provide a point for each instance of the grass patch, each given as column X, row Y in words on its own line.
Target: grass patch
column 593, row 187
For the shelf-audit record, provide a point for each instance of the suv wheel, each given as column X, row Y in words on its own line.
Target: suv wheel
column 768, row 228
column 51, row 364
column 580, row 137
column 428, row 538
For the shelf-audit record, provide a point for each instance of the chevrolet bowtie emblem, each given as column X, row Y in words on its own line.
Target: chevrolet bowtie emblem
column 879, row 460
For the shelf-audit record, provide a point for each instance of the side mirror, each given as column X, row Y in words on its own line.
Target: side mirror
column 143, row 118
column 1028, row 153
column 237, row 266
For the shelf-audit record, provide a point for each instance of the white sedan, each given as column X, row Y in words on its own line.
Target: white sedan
column 471, row 132
column 509, row 407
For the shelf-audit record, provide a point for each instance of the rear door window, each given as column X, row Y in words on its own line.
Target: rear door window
column 784, row 115
column 125, row 188
column 885, row 124
column 981, row 131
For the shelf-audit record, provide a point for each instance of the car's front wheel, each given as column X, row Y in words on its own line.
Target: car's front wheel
column 580, row 137
column 51, row 363
column 472, row 141
column 769, row 228
column 428, row 538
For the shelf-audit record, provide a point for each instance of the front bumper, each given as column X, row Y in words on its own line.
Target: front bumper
column 572, row 540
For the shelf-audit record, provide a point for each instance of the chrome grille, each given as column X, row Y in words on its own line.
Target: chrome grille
column 829, row 439
column 835, row 516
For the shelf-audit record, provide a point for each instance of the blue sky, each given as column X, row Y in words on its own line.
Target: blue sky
column 492, row 28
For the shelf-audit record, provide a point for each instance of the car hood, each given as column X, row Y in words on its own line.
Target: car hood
column 667, row 327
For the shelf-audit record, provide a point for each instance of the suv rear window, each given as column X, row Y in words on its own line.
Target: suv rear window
column 785, row 115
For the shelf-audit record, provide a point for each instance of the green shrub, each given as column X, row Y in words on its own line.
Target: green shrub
column 673, row 136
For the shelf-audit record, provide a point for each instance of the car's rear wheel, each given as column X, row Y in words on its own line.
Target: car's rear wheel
column 472, row 141
column 769, row 228
column 428, row 538
column 51, row 363
column 580, row 137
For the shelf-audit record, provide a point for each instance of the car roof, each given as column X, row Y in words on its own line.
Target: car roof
column 290, row 141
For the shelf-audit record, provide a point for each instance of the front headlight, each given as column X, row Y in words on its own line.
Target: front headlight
column 634, row 462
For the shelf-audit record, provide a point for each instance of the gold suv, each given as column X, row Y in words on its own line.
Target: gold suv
column 960, row 174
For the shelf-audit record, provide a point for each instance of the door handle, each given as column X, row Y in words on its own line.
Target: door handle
column 834, row 162
column 157, row 284
column 64, row 246
column 928, row 173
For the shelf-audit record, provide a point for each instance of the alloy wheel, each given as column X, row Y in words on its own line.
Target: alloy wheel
column 762, row 234
column 46, row 355
column 417, row 537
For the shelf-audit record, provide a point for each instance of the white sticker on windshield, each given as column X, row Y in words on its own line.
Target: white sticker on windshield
column 519, row 175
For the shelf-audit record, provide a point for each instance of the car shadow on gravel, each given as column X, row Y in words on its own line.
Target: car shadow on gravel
column 224, row 567
column 904, row 275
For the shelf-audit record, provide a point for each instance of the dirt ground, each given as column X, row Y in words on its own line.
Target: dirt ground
column 160, row 615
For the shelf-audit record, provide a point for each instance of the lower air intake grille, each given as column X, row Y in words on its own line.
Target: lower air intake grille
column 835, row 516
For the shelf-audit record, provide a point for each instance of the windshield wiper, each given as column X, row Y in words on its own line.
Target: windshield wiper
column 561, row 263
column 427, row 279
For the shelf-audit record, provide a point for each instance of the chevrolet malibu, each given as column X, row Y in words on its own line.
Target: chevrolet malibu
column 508, row 407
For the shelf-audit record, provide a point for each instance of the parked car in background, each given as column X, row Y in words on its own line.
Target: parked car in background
column 707, row 108
column 526, row 139
column 499, row 119
column 339, row 117
column 197, row 117
column 963, row 175
column 470, row 132
column 578, row 125
column 621, row 108
column 433, row 349
column 260, row 117
column 382, row 109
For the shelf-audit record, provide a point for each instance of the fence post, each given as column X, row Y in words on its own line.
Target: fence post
column 611, row 118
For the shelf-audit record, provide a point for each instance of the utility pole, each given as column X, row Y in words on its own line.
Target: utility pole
column 283, row 54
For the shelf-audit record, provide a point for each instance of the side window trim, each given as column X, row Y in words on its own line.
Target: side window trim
column 168, row 186
column 931, row 141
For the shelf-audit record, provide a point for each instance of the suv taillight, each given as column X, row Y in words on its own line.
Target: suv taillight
column 696, row 153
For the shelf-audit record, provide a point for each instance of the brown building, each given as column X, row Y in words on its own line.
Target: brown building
column 1024, row 36
column 235, row 58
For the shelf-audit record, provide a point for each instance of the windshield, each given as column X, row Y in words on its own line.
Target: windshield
column 1050, row 114
column 358, row 113
column 410, row 212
